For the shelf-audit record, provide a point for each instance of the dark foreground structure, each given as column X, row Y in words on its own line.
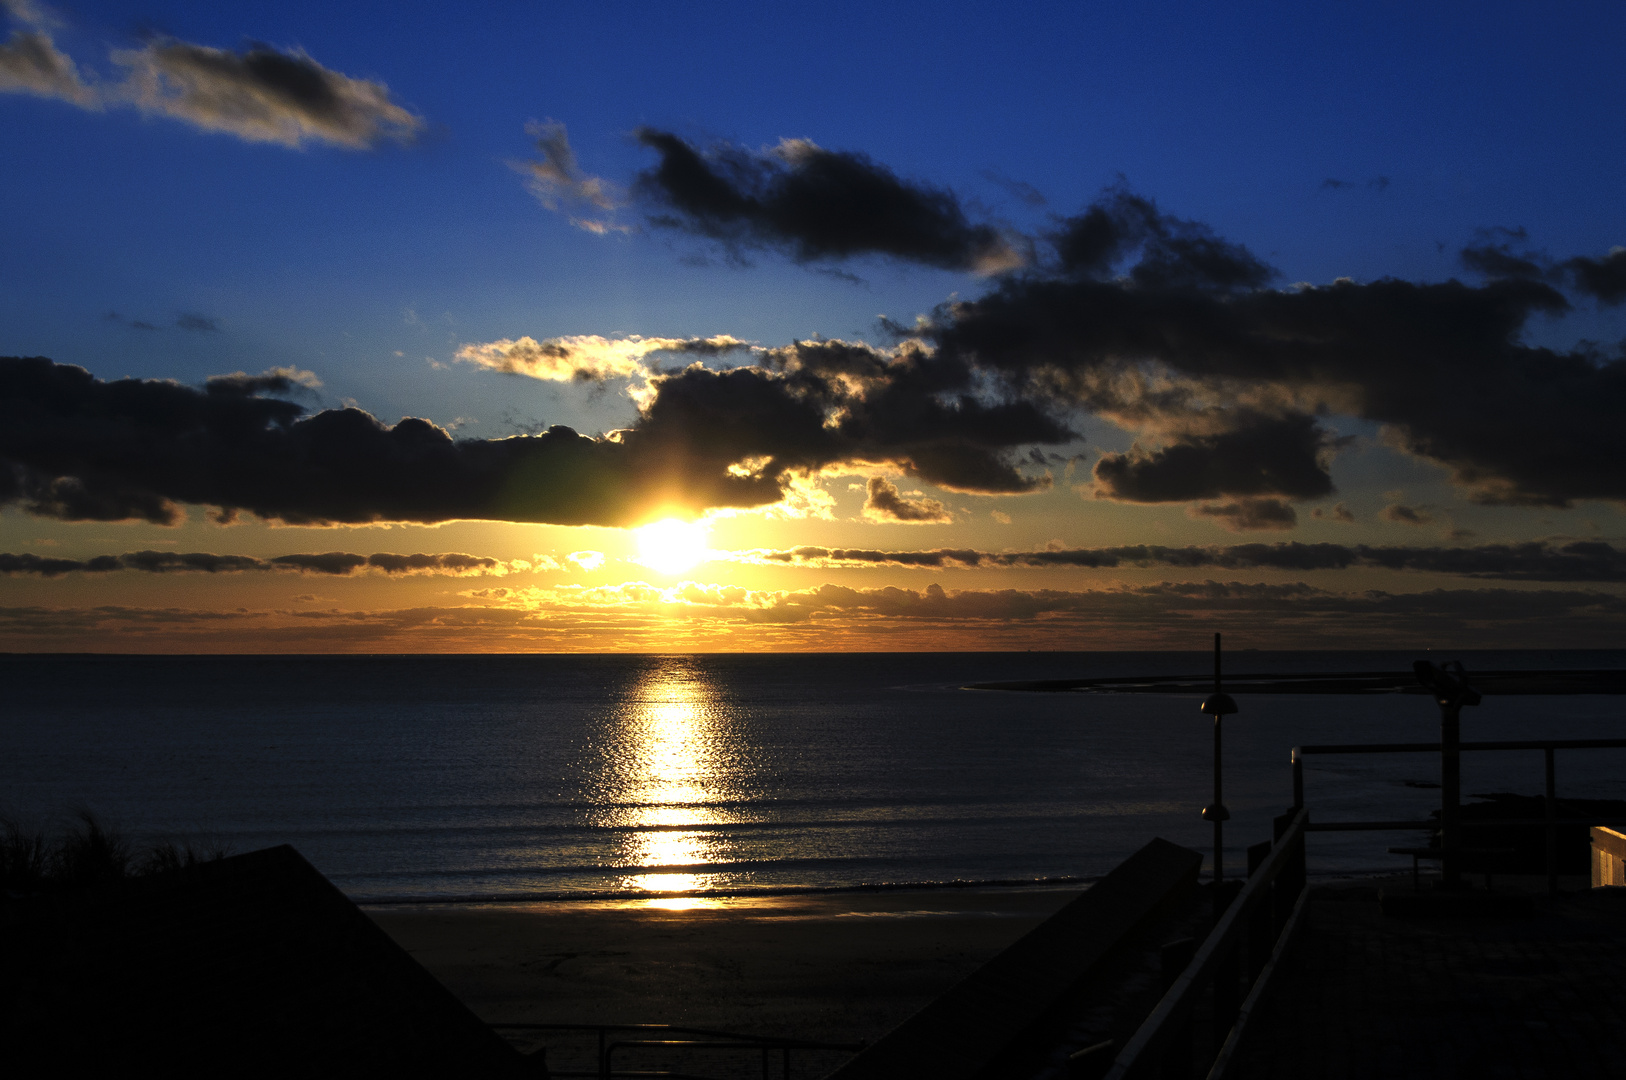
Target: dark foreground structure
column 1361, row 994
column 253, row 965
column 1068, row 984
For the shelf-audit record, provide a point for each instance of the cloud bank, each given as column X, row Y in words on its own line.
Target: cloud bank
column 1537, row 560
column 1164, row 328
column 78, row 448
column 336, row 563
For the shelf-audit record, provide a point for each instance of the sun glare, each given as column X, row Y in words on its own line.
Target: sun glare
column 672, row 546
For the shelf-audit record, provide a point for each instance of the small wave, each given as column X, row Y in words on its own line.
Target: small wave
column 563, row 895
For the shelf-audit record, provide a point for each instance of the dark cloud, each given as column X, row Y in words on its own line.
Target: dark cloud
column 1401, row 514
column 820, row 403
column 1170, row 253
column 1603, row 279
column 75, row 447
column 1331, row 184
column 814, row 203
column 29, row 563
column 339, row 563
column 886, row 503
column 1249, row 515
column 1175, row 337
column 1262, row 455
column 278, row 382
column 79, row 448
column 328, row 562
column 1573, row 561
column 1494, row 256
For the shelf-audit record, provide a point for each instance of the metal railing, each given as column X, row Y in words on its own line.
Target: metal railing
column 1235, row 961
column 673, row 1038
column 1550, row 820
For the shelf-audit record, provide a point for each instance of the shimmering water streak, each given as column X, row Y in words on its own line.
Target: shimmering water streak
column 455, row 777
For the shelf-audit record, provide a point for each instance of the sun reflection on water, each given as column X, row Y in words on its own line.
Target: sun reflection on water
column 671, row 766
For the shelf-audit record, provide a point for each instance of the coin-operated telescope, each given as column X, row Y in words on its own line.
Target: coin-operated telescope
column 1449, row 684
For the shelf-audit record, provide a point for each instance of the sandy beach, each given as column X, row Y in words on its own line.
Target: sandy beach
column 835, row 967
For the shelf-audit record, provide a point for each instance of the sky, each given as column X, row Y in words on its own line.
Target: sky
column 751, row 327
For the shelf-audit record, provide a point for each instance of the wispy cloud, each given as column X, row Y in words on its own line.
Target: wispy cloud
column 30, row 63
column 559, row 183
column 259, row 94
column 262, row 95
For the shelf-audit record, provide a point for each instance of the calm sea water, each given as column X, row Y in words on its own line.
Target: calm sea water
column 457, row 777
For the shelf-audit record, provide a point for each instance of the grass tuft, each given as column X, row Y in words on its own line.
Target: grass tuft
column 87, row 854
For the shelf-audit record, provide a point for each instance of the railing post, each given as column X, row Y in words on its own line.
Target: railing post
column 1552, row 826
column 1298, row 779
column 1451, row 794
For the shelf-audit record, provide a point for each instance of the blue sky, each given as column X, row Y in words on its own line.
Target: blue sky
column 1366, row 142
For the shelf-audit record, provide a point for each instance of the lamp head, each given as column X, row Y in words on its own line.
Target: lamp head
column 1219, row 704
column 1447, row 683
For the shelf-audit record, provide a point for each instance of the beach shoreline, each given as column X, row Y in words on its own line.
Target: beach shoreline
column 835, row 966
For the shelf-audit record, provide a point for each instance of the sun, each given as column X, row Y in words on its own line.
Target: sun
column 672, row 546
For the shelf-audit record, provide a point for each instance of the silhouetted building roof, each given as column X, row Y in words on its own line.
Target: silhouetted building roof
column 252, row 965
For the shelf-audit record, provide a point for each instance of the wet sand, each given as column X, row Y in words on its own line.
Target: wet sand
column 836, row 967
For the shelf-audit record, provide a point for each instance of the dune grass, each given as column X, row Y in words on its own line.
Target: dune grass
column 87, row 854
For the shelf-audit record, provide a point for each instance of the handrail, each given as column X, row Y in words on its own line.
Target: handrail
column 1607, row 820
column 1550, row 821
column 1434, row 747
column 1214, row 950
column 1222, row 1061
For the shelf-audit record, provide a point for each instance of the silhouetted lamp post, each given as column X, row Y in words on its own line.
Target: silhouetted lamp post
column 1218, row 705
column 1449, row 685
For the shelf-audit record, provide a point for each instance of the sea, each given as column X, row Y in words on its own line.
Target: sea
column 437, row 779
